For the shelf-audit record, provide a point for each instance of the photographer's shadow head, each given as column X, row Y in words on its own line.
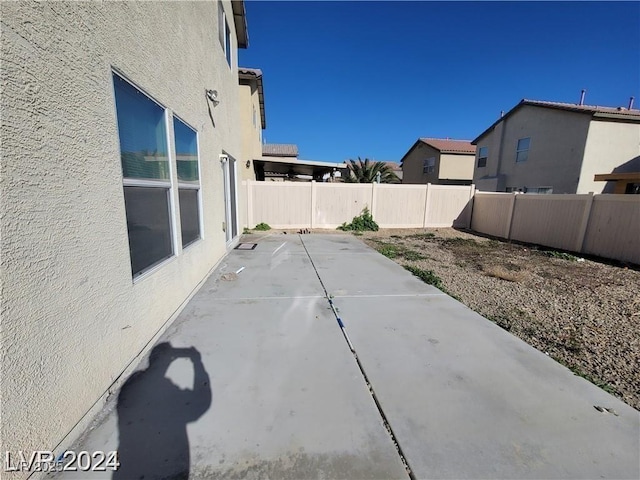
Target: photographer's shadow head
column 153, row 413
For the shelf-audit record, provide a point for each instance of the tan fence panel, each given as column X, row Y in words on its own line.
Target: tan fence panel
column 549, row 220
column 281, row 204
column 491, row 213
column 448, row 205
column 399, row 206
column 613, row 230
column 337, row 203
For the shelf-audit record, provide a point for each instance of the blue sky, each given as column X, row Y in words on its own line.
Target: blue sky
column 348, row 79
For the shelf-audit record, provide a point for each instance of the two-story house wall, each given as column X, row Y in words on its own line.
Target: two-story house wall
column 439, row 161
column 548, row 147
column 120, row 126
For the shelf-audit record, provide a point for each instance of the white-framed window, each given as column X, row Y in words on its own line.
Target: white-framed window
column 224, row 33
column 146, row 172
column 429, row 165
column 522, row 149
column 187, row 161
column 483, row 154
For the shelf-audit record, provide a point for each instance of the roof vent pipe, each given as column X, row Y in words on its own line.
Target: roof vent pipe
column 631, row 103
column 582, row 97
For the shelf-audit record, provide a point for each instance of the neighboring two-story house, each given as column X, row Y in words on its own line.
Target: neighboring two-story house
column 439, row 161
column 252, row 118
column 120, row 126
column 550, row 147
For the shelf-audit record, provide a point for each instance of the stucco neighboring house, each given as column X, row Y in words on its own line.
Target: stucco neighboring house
column 551, row 147
column 120, row 126
column 252, row 117
column 439, row 161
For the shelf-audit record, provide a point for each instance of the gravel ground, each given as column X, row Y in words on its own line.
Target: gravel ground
column 583, row 313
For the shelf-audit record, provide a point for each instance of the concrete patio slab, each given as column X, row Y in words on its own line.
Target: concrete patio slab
column 255, row 380
column 466, row 399
column 352, row 268
column 286, row 398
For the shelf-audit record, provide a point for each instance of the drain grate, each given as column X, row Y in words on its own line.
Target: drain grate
column 246, row 246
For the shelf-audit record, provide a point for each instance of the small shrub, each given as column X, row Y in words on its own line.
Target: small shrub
column 363, row 222
column 246, row 230
column 427, row 276
column 389, row 251
column 412, row 255
column 561, row 255
column 262, row 227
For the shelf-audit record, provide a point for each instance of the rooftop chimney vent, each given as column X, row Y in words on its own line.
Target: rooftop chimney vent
column 582, row 97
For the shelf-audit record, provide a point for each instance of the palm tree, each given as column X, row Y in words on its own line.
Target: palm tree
column 366, row 171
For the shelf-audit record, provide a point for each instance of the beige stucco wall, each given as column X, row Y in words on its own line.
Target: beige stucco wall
column 555, row 153
column 251, row 134
column 456, row 167
column 412, row 166
column 609, row 146
column 251, row 140
column 72, row 318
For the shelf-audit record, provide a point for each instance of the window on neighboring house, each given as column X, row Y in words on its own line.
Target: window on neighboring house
column 632, row 189
column 522, row 150
column 224, row 33
column 186, row 140
column 483, row 154
column 429, row 165
column 254, row 116
column 539, row 190
column 146, row 172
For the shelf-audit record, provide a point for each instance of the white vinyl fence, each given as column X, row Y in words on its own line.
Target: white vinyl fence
column 328, row 205
column 603, row 225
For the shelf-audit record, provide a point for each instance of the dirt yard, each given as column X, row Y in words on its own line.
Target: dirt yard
column 583, row 313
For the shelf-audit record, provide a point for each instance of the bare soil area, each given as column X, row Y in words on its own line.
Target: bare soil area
column 583, row 313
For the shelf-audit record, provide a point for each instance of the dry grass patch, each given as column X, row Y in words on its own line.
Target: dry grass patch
column 502, row 273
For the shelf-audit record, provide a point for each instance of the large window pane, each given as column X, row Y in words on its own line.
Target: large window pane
column 186, row 152
column 149, row 226
column 142, row 131
column 189, row 221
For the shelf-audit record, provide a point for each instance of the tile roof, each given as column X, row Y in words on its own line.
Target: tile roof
column 256, row 72
column 395, row 166
column 251, row 74
column 450, row 146
column 279, row 150
column 596, row 111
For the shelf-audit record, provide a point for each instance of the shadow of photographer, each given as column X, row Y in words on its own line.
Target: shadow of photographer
column 153, row 414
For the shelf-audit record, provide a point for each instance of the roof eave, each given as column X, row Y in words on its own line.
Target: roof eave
column 240, row 22
column 617, row 117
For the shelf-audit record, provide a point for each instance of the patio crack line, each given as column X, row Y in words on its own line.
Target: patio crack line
column 383, row 416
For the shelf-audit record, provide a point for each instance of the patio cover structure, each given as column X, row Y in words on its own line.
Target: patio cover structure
column 294, row 169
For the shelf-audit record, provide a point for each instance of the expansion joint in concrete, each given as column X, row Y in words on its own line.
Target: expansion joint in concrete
column 383, row 416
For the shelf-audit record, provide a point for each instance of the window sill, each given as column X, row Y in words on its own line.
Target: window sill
column 154, row 268
column 189, row 245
